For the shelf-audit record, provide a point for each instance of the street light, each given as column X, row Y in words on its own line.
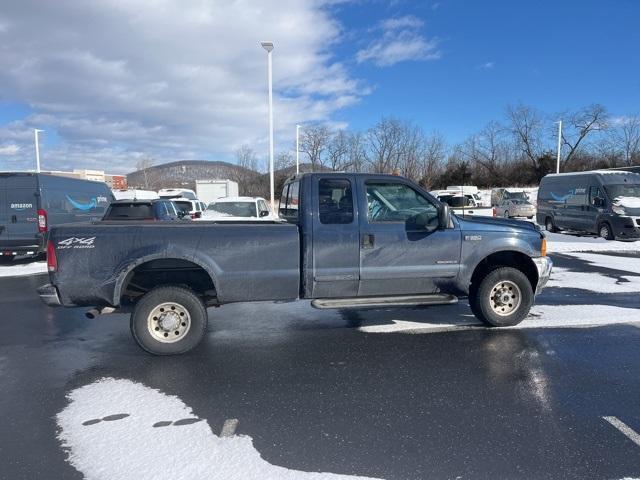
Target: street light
column 559, row 122
column 297, row 149
column 268, row 46
column 35, row 132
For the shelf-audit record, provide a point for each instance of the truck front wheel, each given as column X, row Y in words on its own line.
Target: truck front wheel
column 502, row 298
column 169, row 320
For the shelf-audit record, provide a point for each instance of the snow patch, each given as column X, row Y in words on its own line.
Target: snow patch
column 20, row 270
column 118, row 429
column 541, row 316
column 626, row 264
column 627, row 202
column 561, row 243
column 594, row 282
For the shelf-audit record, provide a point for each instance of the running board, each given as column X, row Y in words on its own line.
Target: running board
column 395, row 301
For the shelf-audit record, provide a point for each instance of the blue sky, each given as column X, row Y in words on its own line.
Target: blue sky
column 549, row 54
column 113, row 82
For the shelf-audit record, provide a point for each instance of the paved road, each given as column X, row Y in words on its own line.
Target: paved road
column 315, row 393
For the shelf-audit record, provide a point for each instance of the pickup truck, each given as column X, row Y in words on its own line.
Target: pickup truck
column 343, row 240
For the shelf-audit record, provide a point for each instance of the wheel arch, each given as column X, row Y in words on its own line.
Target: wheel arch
column 162, row 263
column 505, row 258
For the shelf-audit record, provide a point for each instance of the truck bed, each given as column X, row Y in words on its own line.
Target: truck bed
column 245, row 260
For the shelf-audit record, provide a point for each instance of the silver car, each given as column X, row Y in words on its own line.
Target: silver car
column 515, row 207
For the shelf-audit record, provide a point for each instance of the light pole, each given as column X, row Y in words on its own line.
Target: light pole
column 559, row 122
column 35, row 134
column 297, row 149
column 268, row 46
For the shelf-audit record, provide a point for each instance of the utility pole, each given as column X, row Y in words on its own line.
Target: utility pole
column 35, row 132
column 559, row 122
column 268, row 46
column 297, row 149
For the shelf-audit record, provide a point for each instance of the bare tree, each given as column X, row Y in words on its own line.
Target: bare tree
column 580, row 125
column 313, row 142
column 526, row 126
column 625, row 139
column 143, row 165
column 246, row 158
column 490, row 151
column 385, row 145
column 338, row 151
column 433, row 156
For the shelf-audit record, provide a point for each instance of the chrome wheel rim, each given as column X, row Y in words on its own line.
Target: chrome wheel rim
column 506, row 214
column 169, row 322
column 505, row 298
column 604, row 232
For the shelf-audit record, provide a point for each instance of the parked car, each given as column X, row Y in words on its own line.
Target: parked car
column 31, row 203
column 514, row 207
column 193, row 208
column 177, row 193
column 143, row 210
column 604, row 202
column 465, row 204
column 349, row 240
column 239, row 208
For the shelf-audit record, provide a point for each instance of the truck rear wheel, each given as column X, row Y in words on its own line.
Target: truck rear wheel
column 502, row 298
column 169, row 320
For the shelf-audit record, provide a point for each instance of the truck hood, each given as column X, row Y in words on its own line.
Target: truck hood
column 496, row 224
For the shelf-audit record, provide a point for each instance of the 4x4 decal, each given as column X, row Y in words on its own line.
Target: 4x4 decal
column 77, row 242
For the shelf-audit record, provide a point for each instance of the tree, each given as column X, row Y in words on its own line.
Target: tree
column 625, row 139
column 526, row 126
column 313, row 142
column 246, row 158
column 580, row 125
column 143, row 165
column 338, row 158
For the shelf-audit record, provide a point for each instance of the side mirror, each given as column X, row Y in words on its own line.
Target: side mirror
column 444, row 216
column 598, row 202
column 264, row 213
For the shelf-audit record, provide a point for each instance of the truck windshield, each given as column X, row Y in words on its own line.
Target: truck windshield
column 234, row 209
column 623, row 191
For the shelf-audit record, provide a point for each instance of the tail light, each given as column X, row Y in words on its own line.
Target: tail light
column 495, row 214
column 197, row 215
column 52, row 260
column 42, row 221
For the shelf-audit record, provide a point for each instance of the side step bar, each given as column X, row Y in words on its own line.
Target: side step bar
column 394, row 301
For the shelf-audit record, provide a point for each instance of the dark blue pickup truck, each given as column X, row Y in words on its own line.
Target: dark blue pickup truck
column 344, row 240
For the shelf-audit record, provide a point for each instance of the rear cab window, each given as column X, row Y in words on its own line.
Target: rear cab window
column 130, row 211
column 335, row 201
column 290, row 202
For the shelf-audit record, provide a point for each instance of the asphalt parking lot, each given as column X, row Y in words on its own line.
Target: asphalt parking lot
column 385, row 393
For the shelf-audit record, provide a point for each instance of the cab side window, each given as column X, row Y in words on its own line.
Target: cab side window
column 335, row 201
column 396, row 202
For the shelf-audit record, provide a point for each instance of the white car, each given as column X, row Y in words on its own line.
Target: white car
column 239, row 208
column 192, row 207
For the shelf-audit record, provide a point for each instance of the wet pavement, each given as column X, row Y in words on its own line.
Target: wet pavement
column 317, row 394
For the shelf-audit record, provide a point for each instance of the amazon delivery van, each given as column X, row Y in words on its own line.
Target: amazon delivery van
column 604, row 202
column 31, row 203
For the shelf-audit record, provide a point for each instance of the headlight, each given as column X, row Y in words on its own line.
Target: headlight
column 618, row 210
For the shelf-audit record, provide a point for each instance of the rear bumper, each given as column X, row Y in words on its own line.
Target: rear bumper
column 49, row 295
column 544, row 266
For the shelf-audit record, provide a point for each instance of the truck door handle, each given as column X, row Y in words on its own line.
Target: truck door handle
column 368, row 240
column 14, row 219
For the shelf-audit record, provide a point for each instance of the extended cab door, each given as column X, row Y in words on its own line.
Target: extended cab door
column 336, row 237
column 396, row 256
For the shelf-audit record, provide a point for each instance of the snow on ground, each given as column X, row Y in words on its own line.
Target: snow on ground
column 561, row 242
column 541, row 316
column 118, row 429
column 21, row 269
column 627, row 264
column 594, row 282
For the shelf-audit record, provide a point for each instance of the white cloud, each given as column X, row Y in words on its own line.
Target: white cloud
column 172, row 79
column 401, row 40
column 486, row 66
column 10, row 149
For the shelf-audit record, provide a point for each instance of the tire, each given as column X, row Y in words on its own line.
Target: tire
column 605, row 231
column 169, row 320
column 550, row 225
column 506, row 214
column 489, row 299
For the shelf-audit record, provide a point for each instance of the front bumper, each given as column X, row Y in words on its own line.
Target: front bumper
column 544, row 266
column 49, row 295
